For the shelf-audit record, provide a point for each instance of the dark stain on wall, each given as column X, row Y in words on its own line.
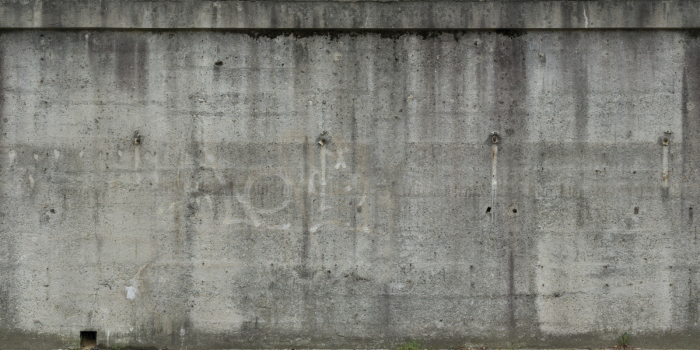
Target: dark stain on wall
column 690, row 154
column 131, row 70
column 336, row 34
column 305, row 216
column 690, row 111
column 3, row 118
column 7, row 241
column 511, row 33
column 509, row 101
column 51, row 14
column 308, row 297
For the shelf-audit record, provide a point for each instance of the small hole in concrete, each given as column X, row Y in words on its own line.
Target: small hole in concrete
column 515, row 211
column 88, row 339
column 53, row 211
column 488, row 209
column 218, row 63
column 636, row 210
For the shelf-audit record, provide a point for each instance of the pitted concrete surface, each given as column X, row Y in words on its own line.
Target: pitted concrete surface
column 211, row 189
column 351, row 14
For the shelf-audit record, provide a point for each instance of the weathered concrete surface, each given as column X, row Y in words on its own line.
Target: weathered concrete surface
column 350, row 14
column 212, row 189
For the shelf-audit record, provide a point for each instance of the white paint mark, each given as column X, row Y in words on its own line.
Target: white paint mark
column 31, row 181
column 312, row 188
column 131, row 292
column 281, row 206
column 137, row 157
column 56, row 154
column 182, row 331
column 314, row 228
column 664, row 163
column 12, row 155
column 217, row 165
column 585, row 17
column 133, row 289
column 337, row 56
column 348, row 188
column 119, row 153
column 323, row 179
column 249, row 210
column 36, row 157
column 340, row 162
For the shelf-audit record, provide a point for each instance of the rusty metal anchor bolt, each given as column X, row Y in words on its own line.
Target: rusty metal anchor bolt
column 137, row 138
column 666, row 140
column 323, row 139
column 495, row 137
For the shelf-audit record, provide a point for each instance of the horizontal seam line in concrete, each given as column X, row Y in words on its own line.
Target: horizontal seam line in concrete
column 342, row 30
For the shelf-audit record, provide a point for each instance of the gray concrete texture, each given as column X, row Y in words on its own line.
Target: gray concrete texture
column 350, row 14
column 196, row 189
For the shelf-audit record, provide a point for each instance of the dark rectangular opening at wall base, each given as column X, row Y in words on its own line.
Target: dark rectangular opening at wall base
column 88, row 339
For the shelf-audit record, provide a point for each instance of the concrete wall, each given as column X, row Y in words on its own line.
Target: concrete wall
column 196, row 189
column 350, row 14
